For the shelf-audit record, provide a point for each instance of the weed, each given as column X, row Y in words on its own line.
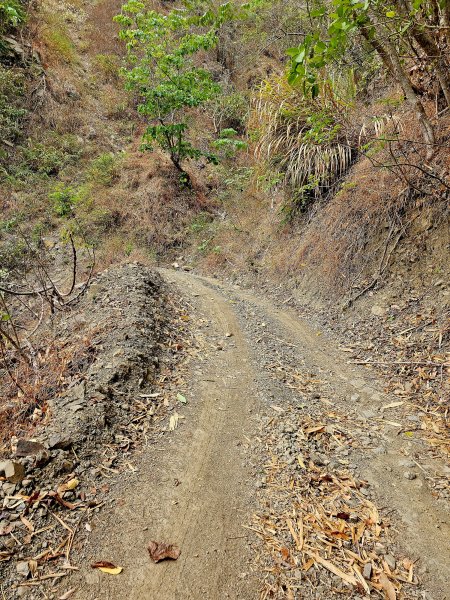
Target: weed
column 104, row 170
column 12, row 113
column 200, row 222
column 57, row 40
column 108, row 66
column 63, row 200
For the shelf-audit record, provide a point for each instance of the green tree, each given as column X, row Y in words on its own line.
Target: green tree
column 399, row 31
column 162, row 51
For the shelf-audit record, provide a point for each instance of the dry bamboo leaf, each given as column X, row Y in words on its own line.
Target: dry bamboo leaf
column 308, row 564
column 296, row 538
column 392, row 405
column 351, row 579
column 28, row 524
column 107, row 567
column 68, row 594
column 173, row 422
column 387, row 586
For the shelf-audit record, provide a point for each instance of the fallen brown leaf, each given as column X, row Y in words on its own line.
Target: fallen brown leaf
column 107, row 567
column 160, row 551
column 67, row 595
column 387, row 587
column 103, row 564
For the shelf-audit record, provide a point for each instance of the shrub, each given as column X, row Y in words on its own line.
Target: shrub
column 63, row 199
column 104, row 170
column 108, row 65
column 304, row 138
column 12, row 114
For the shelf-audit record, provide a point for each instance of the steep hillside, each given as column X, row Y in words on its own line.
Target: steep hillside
column 286, row 169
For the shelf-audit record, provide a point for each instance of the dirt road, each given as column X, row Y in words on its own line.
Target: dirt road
column 200, row 487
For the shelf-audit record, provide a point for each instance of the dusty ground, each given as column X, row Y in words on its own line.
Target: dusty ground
column 289, row 475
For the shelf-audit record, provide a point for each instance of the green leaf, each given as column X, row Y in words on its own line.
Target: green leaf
column 181, row 399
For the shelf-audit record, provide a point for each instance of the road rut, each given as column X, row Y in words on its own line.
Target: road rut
column 198, row 489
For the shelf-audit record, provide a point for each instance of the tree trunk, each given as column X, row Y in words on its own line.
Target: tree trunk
column 391, row 60
column 437, row 61
column 446, row 21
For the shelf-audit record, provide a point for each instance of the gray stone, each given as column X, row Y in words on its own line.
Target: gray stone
column 59, row 442
column 390, row 561
column 409, row 475
column 28, row 448
column 379, row 549
column 9, row 488
column 367, row 571
column 368, row 414
column 23, row 568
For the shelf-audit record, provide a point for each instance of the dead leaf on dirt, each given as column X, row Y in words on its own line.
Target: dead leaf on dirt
column 173, row 421
column 387, row 587
column 68, row 594
column 28, row 524
column 69, row 486
column 160, row 551
column 391, row 405
column 107, row 567
column 60, row 500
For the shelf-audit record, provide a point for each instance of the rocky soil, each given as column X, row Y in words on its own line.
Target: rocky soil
column 279, row 467
column 124, row 337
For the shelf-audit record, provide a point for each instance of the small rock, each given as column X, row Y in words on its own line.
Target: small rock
column 14, row 471
column 22, row 568
column 378, row 311
column 319, row 459
column 9, row 488
column 367, row 571
column 413, row 418
column 28, row 448
column 59, row 442
column 355, row 397
column 390, row 561
column 409, row 464
column 379, row 549
column 368, row 414
column 409, row 475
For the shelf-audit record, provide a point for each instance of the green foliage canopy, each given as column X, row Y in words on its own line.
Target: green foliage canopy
column 163, row 70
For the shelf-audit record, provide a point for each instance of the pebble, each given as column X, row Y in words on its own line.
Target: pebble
column 368, row 414
column 409, row 475
column 379, row 549
column 367, row 571
column 390, row 561
column 22, row 568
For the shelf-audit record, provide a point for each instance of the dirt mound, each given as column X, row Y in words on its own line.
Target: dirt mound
column 119, row 335
column 123, row 318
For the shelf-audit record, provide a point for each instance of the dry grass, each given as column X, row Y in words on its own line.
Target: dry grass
column 287, row 142
column 25, row 392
